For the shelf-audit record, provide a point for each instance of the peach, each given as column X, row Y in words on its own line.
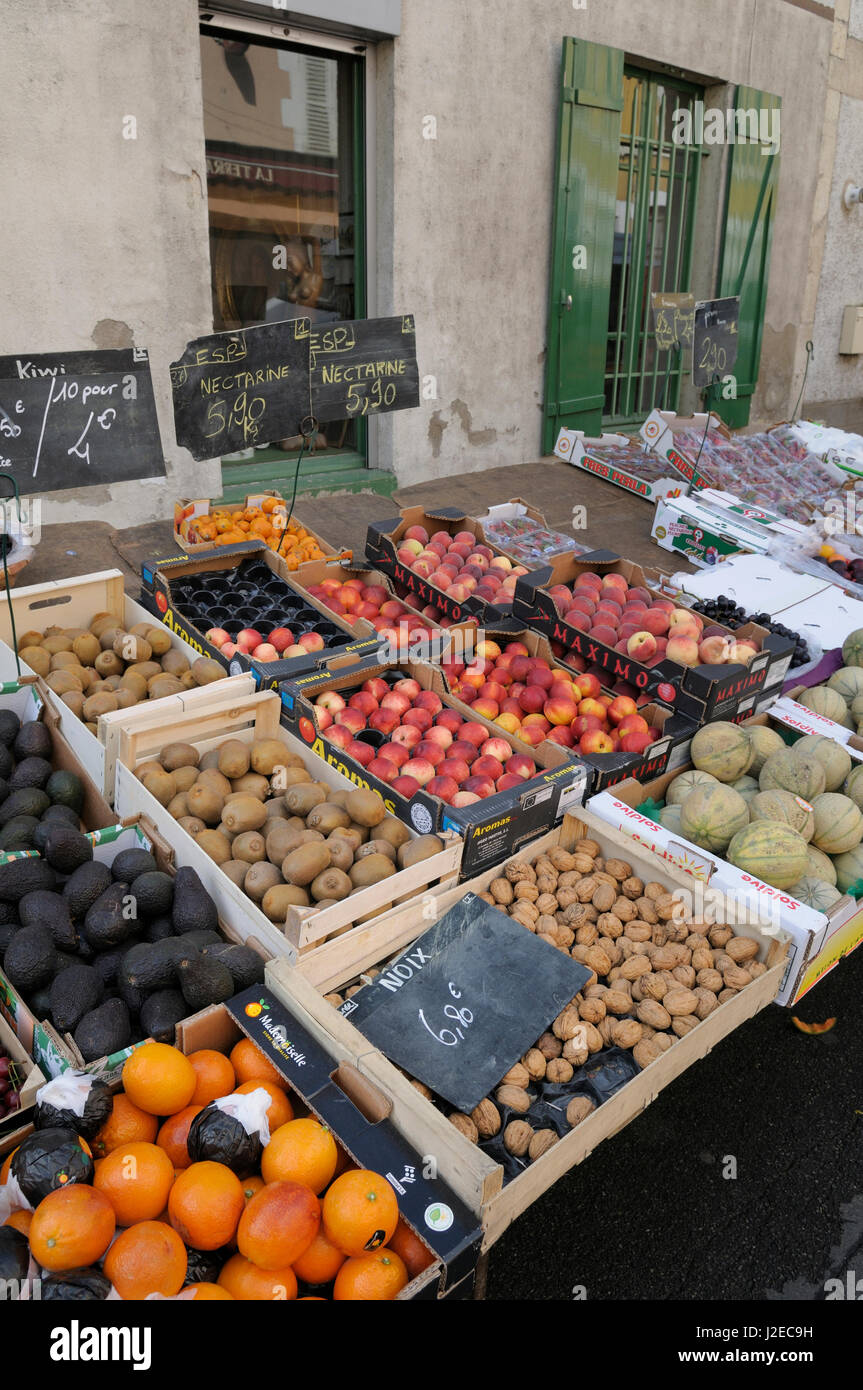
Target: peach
column 418, row 534
column 340, row 735
column 352, row 719
column 496, row 748
column 392, row 610
column 382, row 768
column 561, row 711
column 441, row 579
column 508, row 782
column 406, row 786
column 361, row 752
column 604, row 634
column 586, row 723
column 384, row 720
column 465, row 799
column 488, row 650
column 456, row 768
column 428, row 700
column 620, row 707
column 683, row 650
column 408, row 734
column 588, row 580
column 489, row 709
column 744, row 652
column 420, row 769
column 376, row 687
column 593, row 706
column 563, row 736
column 487, row 765
column 466, row 750
column 563, row 688
column 450, row 719
column 595, row 742
column 407, row 557
column 511, row 706
column 665, row 604
column 540, row 674
column 480, row 786
column 714, row 651
column 654, row 620
column 396, row 753
column 458, row 593
column 248, row 639
column 532, row 699
column 515, row 649
column 218, row 636
column 430, row 750
column 441, row 735
column 409, row 688
column 443, row 787
column 637, row 591
column 635, row 742
column 588, row 685
column 523, row 766
column 324, row 718
column 265, row 652
column 537, row 721
column 614, row 581
column 641, row 646
column 534, row 735
column 418, row 719
column 398, row 703
column 633, row 724
column 331, row 700
column 473, row 732
column 363, row 701
column 231, row 648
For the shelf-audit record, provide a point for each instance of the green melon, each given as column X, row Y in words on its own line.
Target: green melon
column 774, row 853
column 849, row 868
column 852, row 648
column 824, row 701
column 711, row 816
column 784, row 808
column 764, row 741
column 854, row 785
column 834, row 757
column 814, row 892
column 686, row 783
column 819, row 865
column 848, row 682
column 747, row 787
column 799, row 773
column 838, row 823
column 669, row 818
column 723, row 750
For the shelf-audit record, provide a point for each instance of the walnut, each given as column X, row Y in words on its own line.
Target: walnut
column 596, row 959
column 565, row 936
column 605, row 1030
column 487, row 898
column 663, row 1041
column 545, row 923
column 653, row 1013
column 647, row 1032
column 725, row 994
column 614, row 975
column 525, row 892
column 618, row 868
column 654, row 890
column 637, row 930
column 546, row 884
column 575, row 1052
column 646, row 1052
column 646, row 910
column 627, row 1032
column 586, row 934
column 542, row 1141
column 756, row 968
column 604, row 897
column 667, row 907
column 583, row 863
column 592, row 1010
column 517, row 1137
column 702, row 958
column 624, row 909
column 486, row 1117
column 550, row 1046
column 569, row 879
column 586, row 888
column 609, row 925
column 598, row 864
column 560, row 1071
column 578, row 1109
column 588, row 847
column 666, row 957
column 653, row 987
column 501, row 891
column 422, row 1088
column 465, row 1125
column 547, row 938
column 684, row 1024
column 514, row 1098
column 519, row 872
column 567, row 1025
column 685, row 975
column 518, row 1075
column 707, row 1002
column 719, row 935
column 632, row 887
column 523, row 921
column 595, row 991
column 637, row 992
column 533, row 1062
column 736, row 977
column 546, row 903
column 635, row 966
column 742, row 948
column 617, row 1001
column 680, row 1001
column 592, row 1037
column 611, row 949
column 566, row 896
column 590, row 912
column 561, row 859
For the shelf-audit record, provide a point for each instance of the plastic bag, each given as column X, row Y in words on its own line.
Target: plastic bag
column 232, row 1130
column 73, row 1101
column 48, row 1159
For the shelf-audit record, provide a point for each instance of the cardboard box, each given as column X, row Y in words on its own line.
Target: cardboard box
column 616, row 458
column 788, row 712
column 696, row 691
column 818, row 940
column 518, row 531
column 704, row 536
column 187, row 511
column 257, row 716
column 660, row 431
column 470, row 1171
column 493, row 828
column 28, row 1079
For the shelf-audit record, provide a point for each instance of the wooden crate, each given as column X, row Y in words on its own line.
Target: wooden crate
column 187, row 511
column 257, row 716
column 469, row 1171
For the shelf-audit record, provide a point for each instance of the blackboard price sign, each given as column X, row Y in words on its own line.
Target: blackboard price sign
column 249, row 386
column 364, row 367
column 76, row 419
column 462, row 1004
column 673, row 319
column 715, row 340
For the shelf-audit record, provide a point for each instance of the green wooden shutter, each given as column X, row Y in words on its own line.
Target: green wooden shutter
column 750, row 210
column 588, row 154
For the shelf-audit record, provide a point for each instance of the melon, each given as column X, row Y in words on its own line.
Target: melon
column 838, row 823
column 854, row 785
column 849, row 868
column 687, row 782
column 848, row 681
column 857, row 710
column 723, row 750
column 852, row 648
column 819, row 865
column 834, row 757
column 785, row 809
column 747, row 787
column 711, row 816
column 814, row 892
column 774, row 853
column 669, row 819
column 824, row 701
column 799, row 773
column 764, row 741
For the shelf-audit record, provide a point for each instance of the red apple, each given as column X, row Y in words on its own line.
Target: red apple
column 376, row 687
column 408, row 734
column 331, row 700
column 265, row 652
column 248, row 639
column 364, row 702
column 419, row 718
column 383, row 768
column 312, row 641
column 352, row 719
column 218, row 636
column 398, row 703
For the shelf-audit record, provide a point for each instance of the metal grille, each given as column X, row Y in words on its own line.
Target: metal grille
column 657, row 191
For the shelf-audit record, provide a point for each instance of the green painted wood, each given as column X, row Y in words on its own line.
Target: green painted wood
column 349, row 477
column 586, row 183
column 750, row 210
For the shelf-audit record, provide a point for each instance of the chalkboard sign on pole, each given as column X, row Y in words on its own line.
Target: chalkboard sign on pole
column 466, row 1001
column 715, row 340
column 673, row 319
column 364, row 367
column 249, row 386
column 76, row 419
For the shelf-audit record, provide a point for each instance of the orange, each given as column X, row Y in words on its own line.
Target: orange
column 4, row 1169
column 278, row 1224
column 301, row 1151
column 251, row 1186
column 20, row 1221
column 377, row 1276
column 250, row 1064
column 215, row 1076
column 360, row 1212
column 159, row 1079
column 320, row 1263
column 410, row 1249
column 281, row 1109
column 72, row 1226
column 247, row 1282
column 126, row 1124
column 136, row 1179
column 147, row 1258
column 174, row 1135
column 205, row 1204
column 210, row 1293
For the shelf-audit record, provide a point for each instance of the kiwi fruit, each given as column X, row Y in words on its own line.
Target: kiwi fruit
column 282, row 837
column 233, row 758
column 30, row 638
column 134, row 681
column 185, row 777
column 37, row 659
column 103, row 703
column 102, row 622
column 377, row 847
column 259, row 879
column 158, row 637
column 59, row 643
column 75, row 701
column 205, row 802
column 250, row 784
column 244, row 813
column 178, row 806
column 365, row 808
column 305, row 863
column 216, row 845
column 276, row 808
column 206, row 670
column 147, row 669
column 108, row 637
column 423, row 847
column 178, row 755
column 277, row 900
column 353, row 836
column 362, row 830
column 209, row 761
column 86, row 648
column 107, row 664
column 341, row 853
column 371, row 870
column 160, row 687
column 333, row 884
column 211, row 777
column 125, row 698
column 61, row 682
column 300, row 800
column 267, row 755
column 159, row 784
column 293, row 777
column 111, row 683
column 150, row 766
column 337, row 795
column 174, row 663
column 250, row 846
column 236, row 869
column 132, row 648
column 63, row 659
column 193, row 825
column 326, row 818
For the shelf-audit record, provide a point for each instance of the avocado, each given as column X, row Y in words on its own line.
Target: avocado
column 204, row 981
column 10, row 726
column 84, row 886
column 51, row 911
column 40, row 1002
column 106, row 964
column 111, row 919
column 67, row 849
column 74, row 993
column 154, row 893
column 30, row 959
column 104, row 1030
column 66, row 789
column 132, row 997
column 149, row 966
column 158, row 928
column 245, row 965
column 7, row 931
column 20, row 833
column 8, row 913
column 33, row 740
column 20, row 876
column 56, row 812
column 161, row 1013
column 7, row 762
column 201, row 939
column 30, row 772
column 63, row 962
column 26, row 801
column 131, row 863
column 193, row 909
